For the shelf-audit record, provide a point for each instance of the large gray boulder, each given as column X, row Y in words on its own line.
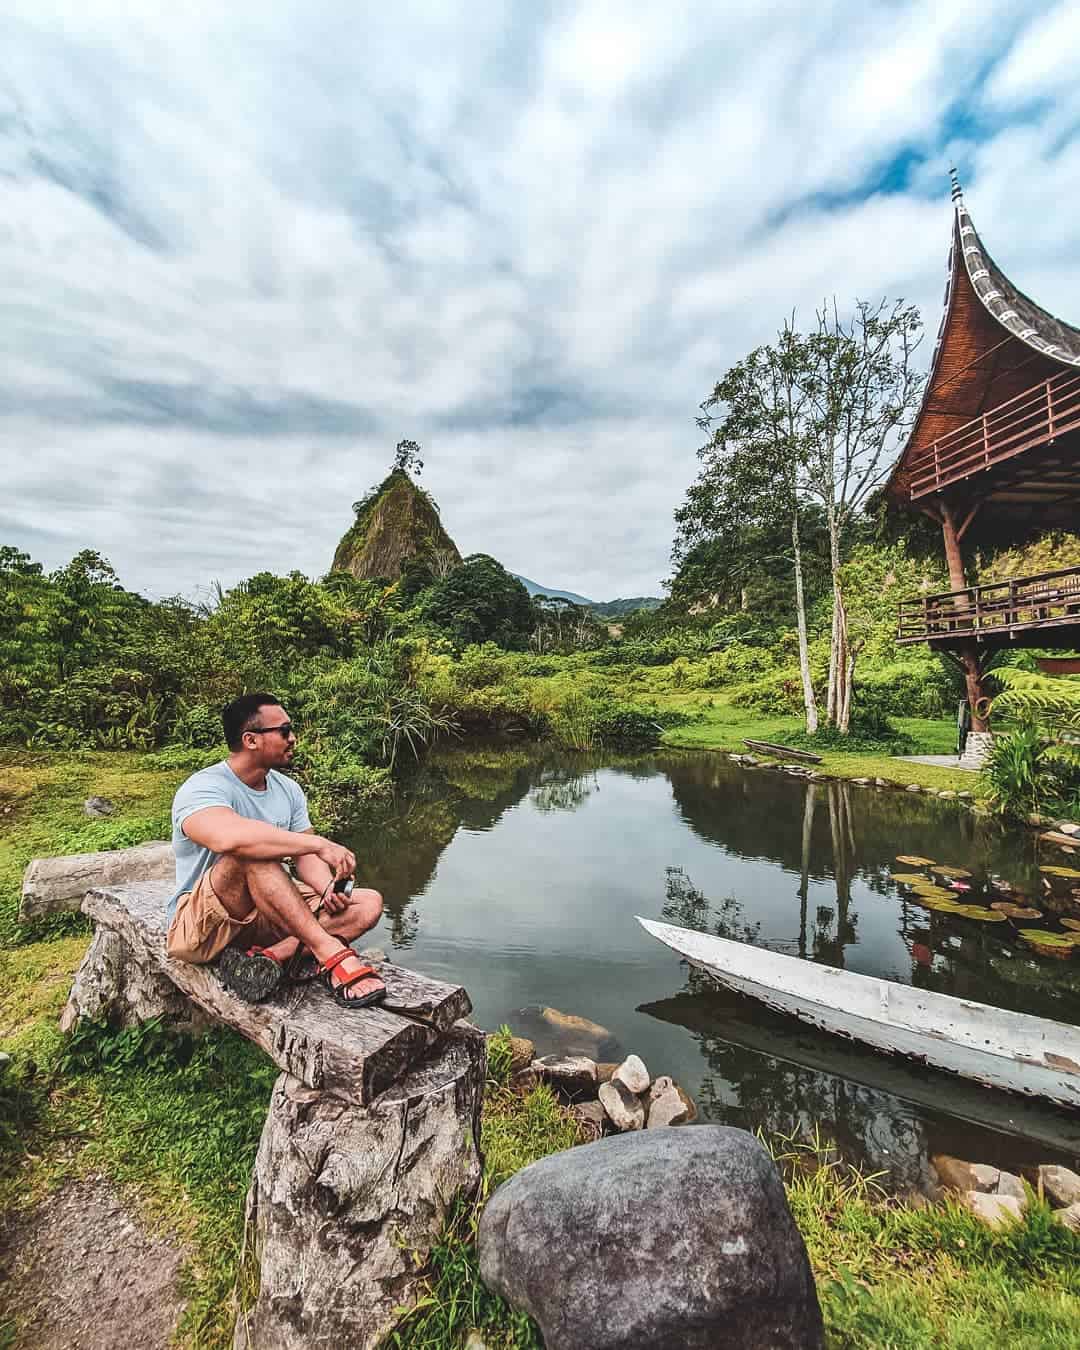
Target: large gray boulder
column 663, row 1240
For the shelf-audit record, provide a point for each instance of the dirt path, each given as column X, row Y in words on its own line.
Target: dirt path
column 82, row 1272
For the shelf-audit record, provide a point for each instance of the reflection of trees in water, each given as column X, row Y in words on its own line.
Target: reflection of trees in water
column 561, row 789
column 687, row 907
column 833, row 929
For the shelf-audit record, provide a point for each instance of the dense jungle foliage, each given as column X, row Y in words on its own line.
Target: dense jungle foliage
column 372, row 670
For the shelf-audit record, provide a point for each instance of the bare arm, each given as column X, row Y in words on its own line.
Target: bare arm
column 310, row 868
column 222, row 830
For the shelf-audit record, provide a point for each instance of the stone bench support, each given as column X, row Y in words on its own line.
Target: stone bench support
column 373, row 1130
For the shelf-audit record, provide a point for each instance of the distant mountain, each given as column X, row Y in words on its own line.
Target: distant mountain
column 534, row 589
column 615, row 609
column 607, row 609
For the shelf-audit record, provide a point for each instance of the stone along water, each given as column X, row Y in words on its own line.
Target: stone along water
column 518, row 872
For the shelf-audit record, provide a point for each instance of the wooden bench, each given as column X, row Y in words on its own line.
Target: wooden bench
column 372, row 1132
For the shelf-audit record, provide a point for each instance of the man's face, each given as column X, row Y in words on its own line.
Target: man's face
column 272, row 748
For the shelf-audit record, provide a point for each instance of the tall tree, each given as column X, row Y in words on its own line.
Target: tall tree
column 760, row 419
column 858, row 377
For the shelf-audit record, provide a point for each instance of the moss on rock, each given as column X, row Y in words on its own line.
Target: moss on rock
column 395, row 524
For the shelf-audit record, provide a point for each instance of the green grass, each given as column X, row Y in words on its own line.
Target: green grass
column 725, row 727
column 892, row 1276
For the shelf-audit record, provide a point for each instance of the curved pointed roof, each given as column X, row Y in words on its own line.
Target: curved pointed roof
column 994, row 346
column 1016, row 312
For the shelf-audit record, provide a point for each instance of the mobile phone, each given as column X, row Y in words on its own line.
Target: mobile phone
column 344, row 886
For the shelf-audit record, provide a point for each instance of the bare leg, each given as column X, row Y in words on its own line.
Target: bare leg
column 239, row 885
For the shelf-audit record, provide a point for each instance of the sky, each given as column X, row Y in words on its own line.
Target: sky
column 246, row 248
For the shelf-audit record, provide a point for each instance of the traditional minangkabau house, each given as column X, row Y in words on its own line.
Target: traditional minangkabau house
column 994, row 454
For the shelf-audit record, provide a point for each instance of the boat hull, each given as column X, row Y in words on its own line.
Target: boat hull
column 1028, row 1055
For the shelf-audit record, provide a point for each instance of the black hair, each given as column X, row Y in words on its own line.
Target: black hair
column 238, row 716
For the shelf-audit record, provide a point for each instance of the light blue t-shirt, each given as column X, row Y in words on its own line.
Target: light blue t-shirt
column 281, row 803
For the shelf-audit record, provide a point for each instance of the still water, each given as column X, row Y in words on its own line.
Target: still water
column 518, row 873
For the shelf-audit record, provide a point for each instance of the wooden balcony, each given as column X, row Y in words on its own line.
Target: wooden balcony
column 1036, row 417
column 1042, row 610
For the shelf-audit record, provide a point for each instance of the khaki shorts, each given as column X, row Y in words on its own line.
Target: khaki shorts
column 202, row 927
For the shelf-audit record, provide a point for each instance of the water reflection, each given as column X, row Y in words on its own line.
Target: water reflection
column 519, row 872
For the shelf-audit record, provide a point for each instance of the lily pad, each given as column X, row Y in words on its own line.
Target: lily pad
column 1067, row 872
column 959, row 872
column 983, row 915
column 913, row 860
column 1058, row 945
column 933, row 892
column 1072, row 924
column 908, row 878
column 1012, row 911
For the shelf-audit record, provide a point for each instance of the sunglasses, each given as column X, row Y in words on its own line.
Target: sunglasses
column 284, row 729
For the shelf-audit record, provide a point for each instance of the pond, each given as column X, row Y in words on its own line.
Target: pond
column 518, row 872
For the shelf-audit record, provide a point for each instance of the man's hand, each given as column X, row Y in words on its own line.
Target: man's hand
column 339, row 860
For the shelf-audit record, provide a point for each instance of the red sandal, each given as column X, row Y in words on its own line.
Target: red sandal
column 339, row 987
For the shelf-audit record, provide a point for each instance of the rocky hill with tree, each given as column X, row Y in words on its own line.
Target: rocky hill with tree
column 396, row 524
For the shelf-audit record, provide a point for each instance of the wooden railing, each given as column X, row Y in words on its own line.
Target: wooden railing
column 1036, row 416
column 1047, row 600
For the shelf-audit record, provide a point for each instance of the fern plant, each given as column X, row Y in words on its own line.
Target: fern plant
column 1036, row 764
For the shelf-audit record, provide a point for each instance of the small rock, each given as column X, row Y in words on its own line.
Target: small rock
column 572, row 1075
column 605, row 1070
column 1060, row 1186
column 1067, row 827
column 1069, row 1216
column 522, row 1053
column 633, row 1075
column 661, row 1085
column 592, row 1116
column 624, row 1110
column 995, row 1210
column 913, row 787
column 1036, row 819
column 966, row 796
column 99, row 806
column 689, row 1103
column 524, row 1080
column 956, row 1175
column 862, row 782
column 667, row 1109
column 1008, row 1184
column 881, row 782
column 945, row 792
column 476, row 1342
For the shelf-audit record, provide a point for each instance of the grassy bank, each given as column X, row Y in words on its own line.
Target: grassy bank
column 719, row 725
column 176, row 1125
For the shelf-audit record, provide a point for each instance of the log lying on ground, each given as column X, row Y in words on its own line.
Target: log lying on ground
column 354, row 1054
column 346, row 1202
column 54, row 884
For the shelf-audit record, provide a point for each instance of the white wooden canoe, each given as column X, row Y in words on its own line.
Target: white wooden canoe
column 992, row 1046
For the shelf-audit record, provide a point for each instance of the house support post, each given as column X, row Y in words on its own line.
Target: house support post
column 969, row 654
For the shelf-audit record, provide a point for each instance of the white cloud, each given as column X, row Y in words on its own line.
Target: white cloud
column 243, row 250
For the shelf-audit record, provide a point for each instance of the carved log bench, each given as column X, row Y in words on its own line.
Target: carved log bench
column 372, row 1133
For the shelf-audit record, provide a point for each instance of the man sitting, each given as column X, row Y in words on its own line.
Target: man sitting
column 234, row 824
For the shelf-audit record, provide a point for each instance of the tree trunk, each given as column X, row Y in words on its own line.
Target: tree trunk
column 348, row 1201
column 52, row 884
column 809, row 700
